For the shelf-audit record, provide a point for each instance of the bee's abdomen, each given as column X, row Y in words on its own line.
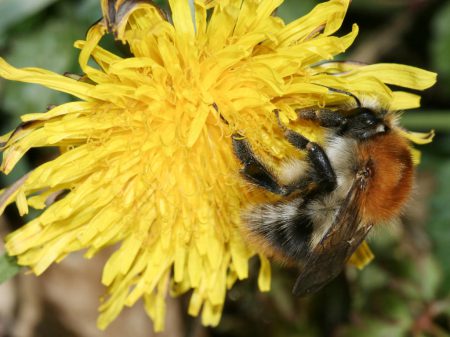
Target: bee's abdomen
column 281, row 227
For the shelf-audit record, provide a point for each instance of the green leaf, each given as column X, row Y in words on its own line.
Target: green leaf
column 49, row 46
column 8, row 267
column 14, row 11
column 293, row 9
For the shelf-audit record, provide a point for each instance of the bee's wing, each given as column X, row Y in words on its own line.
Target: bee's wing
column 329, row 257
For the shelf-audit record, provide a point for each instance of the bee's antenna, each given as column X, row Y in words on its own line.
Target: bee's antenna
column 280, row 124
column 358, row 102
column 214, row 105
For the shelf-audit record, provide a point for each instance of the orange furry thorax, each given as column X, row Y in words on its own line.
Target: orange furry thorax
column 389, row 162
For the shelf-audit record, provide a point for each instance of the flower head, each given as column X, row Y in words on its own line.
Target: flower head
column 146, row 161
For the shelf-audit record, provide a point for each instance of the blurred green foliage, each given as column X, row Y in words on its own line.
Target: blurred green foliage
column 406, row 290
column 440, row 220
column 440, row 45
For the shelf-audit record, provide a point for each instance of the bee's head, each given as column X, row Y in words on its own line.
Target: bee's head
column 364, row 123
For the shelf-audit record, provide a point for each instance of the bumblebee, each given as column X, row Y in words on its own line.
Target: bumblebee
column 361, row 177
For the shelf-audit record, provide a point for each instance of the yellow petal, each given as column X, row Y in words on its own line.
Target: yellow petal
column 404, row 100
column 398, row 74
column 264, row 274
column 326, row 17
column 182, row 17
column 419, row 137
column 46, row 78
column 362, row 256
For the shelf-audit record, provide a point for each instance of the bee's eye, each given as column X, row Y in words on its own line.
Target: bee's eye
column 366, row 119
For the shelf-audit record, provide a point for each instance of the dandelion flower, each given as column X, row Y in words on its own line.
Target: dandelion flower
column 146, row 162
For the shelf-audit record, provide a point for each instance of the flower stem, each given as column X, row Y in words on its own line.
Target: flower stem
column 427, row 119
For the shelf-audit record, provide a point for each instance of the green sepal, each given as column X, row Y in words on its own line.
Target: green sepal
column 8, row 267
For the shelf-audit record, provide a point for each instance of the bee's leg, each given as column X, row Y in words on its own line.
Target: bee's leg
column 325, row 175
column 254, row 171
column 325, row 117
